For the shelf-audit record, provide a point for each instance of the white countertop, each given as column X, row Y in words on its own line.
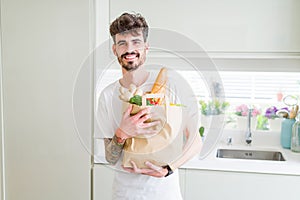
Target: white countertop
column 262, row 140
column 289, row 167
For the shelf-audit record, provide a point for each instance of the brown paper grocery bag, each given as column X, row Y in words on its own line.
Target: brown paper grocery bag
column 161, row 148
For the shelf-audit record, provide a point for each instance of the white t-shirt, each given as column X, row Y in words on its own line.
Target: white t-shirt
column 136, row 186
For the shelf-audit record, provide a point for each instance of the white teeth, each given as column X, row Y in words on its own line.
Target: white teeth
column 130, row 56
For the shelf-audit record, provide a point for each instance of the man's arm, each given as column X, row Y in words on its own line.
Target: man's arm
column 192, row 147
column 129, row 124
column 113, row 149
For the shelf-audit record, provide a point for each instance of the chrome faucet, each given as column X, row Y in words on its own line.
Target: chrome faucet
column 248, row 131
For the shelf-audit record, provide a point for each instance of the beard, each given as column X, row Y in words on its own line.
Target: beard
column 132, row 65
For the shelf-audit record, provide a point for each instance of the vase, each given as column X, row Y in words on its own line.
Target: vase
column 206, row 121
column 275, row 124
column 242, row 123
column 286, row 132
column 212, row 121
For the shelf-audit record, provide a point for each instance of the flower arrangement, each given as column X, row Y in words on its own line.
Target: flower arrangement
column 214, row 107
column 242, row 110
column 271, row 112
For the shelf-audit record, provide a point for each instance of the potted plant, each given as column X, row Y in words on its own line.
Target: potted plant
column 273, row 119
column 214, row 107
column 212, row 110
column 242, row 115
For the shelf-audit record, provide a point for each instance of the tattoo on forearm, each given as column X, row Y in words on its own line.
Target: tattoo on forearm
column 113, row 150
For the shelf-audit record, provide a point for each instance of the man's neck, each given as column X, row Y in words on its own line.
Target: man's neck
column 136, row 77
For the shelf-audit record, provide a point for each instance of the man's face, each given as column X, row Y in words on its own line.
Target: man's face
column 131, row 50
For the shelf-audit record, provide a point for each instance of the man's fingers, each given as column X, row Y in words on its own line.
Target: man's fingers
column 150, row 124
column 144, row 118
column 128, row 111
column 135, row 168
column 154, row 167
column 153, row 170
column 147, row 171
column 141, row 113
column 128, row 169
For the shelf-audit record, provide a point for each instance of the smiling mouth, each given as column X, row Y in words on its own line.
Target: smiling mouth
column 130, row 56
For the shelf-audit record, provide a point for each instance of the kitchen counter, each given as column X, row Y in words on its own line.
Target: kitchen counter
column 289, row 167
column 262, row 140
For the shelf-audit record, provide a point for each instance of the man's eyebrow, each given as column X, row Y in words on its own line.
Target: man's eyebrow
column 136, row 40
column 121, row 41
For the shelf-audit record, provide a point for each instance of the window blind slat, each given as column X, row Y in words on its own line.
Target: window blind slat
column 237, row 85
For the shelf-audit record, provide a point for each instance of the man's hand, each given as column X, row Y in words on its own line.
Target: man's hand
column 135, row 125
column 154, row 170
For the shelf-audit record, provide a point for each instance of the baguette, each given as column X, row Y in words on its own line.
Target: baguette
column 159, row 86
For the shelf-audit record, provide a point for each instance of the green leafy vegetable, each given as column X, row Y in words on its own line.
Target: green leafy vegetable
column 201, row 131
column 136, row 99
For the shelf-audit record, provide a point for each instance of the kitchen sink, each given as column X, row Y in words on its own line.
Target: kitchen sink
column 250, row 154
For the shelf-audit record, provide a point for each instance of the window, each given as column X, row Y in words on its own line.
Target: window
column 251, row 88
column 248, row 87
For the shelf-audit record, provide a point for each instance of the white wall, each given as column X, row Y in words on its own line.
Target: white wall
column 231, row 25
column 43, row 45
column 1, row 133
column 248, row 35
column 1, row 129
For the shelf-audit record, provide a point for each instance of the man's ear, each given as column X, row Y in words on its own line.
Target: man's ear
column 147, row 47
column 114, row 49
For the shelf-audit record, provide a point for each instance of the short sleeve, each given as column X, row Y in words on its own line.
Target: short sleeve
column 104, row 127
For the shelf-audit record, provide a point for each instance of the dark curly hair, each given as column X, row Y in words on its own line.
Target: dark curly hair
column 129, row 23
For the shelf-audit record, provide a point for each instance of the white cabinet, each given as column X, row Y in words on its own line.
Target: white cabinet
column 43, row 45
column 230, row 26
column 103, row 179
column 102, row 182
column 238, row 35
column 216, row 185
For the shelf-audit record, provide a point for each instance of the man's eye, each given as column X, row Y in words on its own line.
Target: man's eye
column 122, row 43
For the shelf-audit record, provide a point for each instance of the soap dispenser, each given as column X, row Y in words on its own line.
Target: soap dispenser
column 295, row 140
column 286, row 129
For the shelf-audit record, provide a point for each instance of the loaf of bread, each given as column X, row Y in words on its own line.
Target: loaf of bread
column 159, row 86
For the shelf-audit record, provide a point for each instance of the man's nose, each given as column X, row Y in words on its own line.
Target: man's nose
column 130, row 47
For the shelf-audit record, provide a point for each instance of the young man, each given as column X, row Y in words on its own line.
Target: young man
column 129, row 33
